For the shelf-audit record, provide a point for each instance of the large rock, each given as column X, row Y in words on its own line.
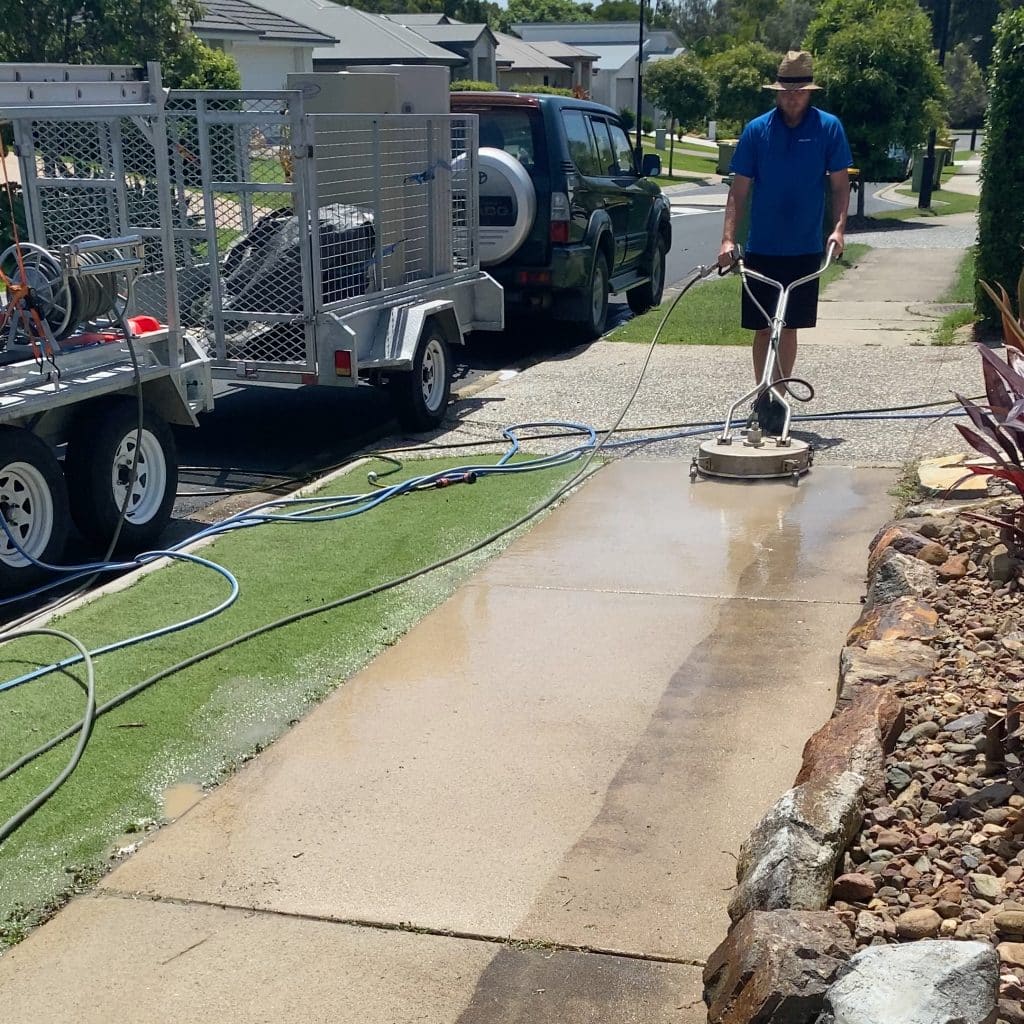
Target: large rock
column 789, row 860
column 857, row 739
column 896, row 575
column 906, row 618
column 883, row 661
column 917, row 983
column 775, row 968
column 906, row 542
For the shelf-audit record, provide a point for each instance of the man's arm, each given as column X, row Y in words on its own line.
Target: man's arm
column 738, row 194
column 840, row 182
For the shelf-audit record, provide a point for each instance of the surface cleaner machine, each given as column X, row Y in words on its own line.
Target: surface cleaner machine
column 752, row 453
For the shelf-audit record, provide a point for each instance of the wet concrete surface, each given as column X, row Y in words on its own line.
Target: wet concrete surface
column 564, row 755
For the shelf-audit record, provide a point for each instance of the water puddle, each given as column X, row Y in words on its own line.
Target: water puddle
column 181, row 797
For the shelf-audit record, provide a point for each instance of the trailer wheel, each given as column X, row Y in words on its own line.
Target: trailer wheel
column 422, row 394
column 98, row 467
column 34, row 503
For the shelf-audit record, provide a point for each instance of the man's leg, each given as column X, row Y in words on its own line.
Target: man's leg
column 787, row 353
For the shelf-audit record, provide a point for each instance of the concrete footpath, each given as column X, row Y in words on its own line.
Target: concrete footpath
column 529, row 808
column 564, row 756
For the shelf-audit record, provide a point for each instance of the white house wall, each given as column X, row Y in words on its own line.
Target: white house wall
column 266, row 66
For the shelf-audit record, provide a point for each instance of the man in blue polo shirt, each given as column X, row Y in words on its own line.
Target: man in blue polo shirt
column 786, row 154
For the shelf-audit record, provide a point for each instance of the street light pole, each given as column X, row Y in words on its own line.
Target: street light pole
column 640, row 91
column 924, row 197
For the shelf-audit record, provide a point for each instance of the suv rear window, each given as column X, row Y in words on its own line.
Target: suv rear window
column 517, row 131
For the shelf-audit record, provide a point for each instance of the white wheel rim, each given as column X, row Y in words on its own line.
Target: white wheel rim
column 27, row 505
column 150, row 477
column 433, row 374
column 597, row 299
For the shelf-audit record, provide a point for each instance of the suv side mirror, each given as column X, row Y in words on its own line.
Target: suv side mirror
column 651, row 166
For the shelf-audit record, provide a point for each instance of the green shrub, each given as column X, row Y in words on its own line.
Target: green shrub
column 194, row 65
column 1001, row 208
column 648, row 124
column 472, row 85
column 6, row 230
column 546, row 90
column 628, row 118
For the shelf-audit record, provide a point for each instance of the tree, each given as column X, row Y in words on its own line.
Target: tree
column 94, row 31
column 680, row 87
column 1001, row 208
column 966, row 89
column 971, row 22
column 114, row 32
column 703, row 26
column 876, row 64
column 555, row 11
column 617, row 10
column 738, row 77
column 784, row 29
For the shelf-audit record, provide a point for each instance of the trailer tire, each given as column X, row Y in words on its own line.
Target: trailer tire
column 98, row 465
column 421, row 395
column 34, row 502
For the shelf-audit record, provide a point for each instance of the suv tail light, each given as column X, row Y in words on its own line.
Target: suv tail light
column 559, row 217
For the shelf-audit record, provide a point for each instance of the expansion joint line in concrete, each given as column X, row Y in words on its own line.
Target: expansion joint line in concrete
column 402, row 926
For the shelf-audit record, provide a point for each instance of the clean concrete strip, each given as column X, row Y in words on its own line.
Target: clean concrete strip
column 566, row 752
column 105, row 959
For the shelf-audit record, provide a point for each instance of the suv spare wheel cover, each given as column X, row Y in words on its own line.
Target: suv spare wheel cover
column 508, row 205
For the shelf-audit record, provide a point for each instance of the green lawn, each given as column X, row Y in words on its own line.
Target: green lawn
column 201, row 723
column 709, row 313
column 685, row 167
column 943, row 204
column 961, row 290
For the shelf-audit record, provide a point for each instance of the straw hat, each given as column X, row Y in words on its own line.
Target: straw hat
column 795, row 73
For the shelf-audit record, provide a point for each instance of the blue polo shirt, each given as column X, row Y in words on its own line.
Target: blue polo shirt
column 788, row 166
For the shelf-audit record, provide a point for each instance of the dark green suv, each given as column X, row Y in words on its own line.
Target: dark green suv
column 566, row 217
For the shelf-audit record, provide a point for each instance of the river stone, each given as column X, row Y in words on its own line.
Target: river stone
column 897, row 575
column 945, row 982
column 920, row 923
column 775, row 967
column 883, row 661
column 854, row 887
column 906, row 618
column 857, row 739
column 906, row 542
column 789, row 859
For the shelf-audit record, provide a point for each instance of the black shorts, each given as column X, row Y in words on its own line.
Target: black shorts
column 802, row 308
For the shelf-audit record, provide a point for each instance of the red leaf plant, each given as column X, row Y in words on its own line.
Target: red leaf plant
column 997, row 431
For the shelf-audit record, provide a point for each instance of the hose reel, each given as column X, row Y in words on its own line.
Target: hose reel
column 87, row 280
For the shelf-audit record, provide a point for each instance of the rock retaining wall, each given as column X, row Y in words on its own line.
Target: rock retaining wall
column 849, row 859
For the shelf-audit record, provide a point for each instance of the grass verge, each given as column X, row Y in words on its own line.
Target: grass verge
column 200, row 724
column 961, row 290
column 710, row 312
column 944, row 203
column 907, row 490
